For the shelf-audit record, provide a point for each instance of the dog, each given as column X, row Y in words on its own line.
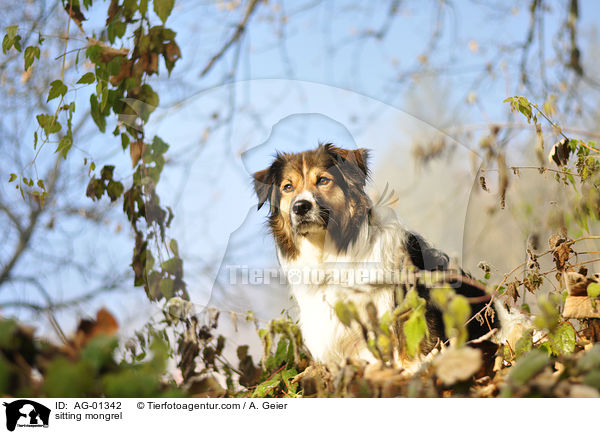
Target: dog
column 324, row 224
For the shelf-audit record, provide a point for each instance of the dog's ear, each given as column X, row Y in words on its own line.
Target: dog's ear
column 361, row 158
column 352, row 162
column 263, row 185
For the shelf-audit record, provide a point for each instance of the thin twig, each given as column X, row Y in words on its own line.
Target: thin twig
column 538, row 168
column 506, row 276
column 589, row 237
column 485, row 337
column 240, row 29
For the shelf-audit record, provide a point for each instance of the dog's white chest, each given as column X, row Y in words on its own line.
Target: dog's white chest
column 317, row 282
column 321, row 329
column 325, row 336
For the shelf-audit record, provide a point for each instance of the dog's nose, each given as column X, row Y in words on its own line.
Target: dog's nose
column 302, row 207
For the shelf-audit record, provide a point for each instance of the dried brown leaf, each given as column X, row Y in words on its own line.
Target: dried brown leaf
column 457, row 364
column 136, row 150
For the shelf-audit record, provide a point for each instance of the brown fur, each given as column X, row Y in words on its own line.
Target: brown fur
column 343, row 202
column 342, row 207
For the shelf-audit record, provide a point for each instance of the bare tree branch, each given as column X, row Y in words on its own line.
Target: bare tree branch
column 239, row 31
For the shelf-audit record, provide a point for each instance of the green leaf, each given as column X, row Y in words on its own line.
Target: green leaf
column 455, row 317
column 11, row 39
column 548, row 316
column 131, row 383
column 64, row 146
column 11, row 31
column 102, row 92
column 343, row 313
column 592, row 379
column 114, row 189
column 87, row 78
column 590, row 360
column 172, row 266
column 286, row 376
column 99, row 351
column 107, row 172
column 546, row 348
column 124, row 141
column 95, row 189
column 130, row 7
column 276, row 360
column 159, row 146
column 12, row 177
column 160, row 352
column 524, row 345
column 415, row 330
column 528, row 366
column 93, row 53
column 174, row 247
column 220, row 344
column 57, row 88
column 441, row 296
column 150, row 100
column 562, row 340
column 97, row 115
column 413, row 300
column 266, row 387
column 31, row 53
column 8, row 332
column 69, row 380
column 460, row 308
column 166, row 288
column 593, row 290
column 384, row 343
column 116, row 29
column 143, row 8
column 48, row 123
column 6, row 44
column 163, row 8
column 40, row 184
column 385, row 322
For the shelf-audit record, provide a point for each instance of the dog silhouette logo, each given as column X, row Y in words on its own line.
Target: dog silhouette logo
column 26, row 413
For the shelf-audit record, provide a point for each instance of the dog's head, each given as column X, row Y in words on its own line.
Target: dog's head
column 314, row 192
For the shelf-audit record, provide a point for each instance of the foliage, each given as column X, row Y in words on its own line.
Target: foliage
column 91, row 364
column 122, row 93
column 85, row 366
column 553, row 356
column 577, row 161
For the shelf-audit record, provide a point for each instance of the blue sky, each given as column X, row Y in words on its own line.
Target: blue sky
column 339, row 90
column 317, row 81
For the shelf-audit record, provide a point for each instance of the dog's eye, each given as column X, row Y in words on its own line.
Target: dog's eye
column 288, row 187
column 323, row 180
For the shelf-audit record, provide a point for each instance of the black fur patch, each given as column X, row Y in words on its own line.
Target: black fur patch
column 425, row 257
column 351, row 172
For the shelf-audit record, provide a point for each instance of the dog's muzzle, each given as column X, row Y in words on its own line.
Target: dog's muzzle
column 302, row 207
column 305, row 215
